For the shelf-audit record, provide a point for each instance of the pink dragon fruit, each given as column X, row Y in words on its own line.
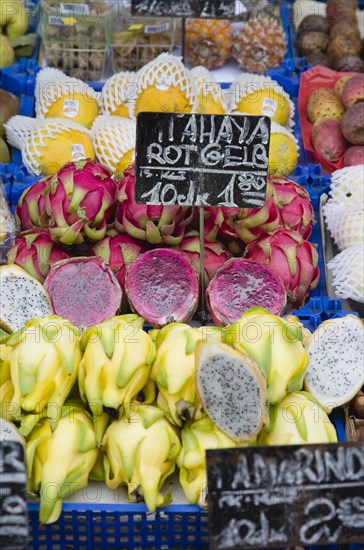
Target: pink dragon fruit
column 80, row 202
column 83, row 290
column 294, row 205
column 155, row 224
column 30, row 212
column 245, row 223
column 35, row 252
column 118, row 251
column 220, row 221
column 216, row 254
column 162, row 287
column 291, row 257
column 241, row 284
column 252, row 222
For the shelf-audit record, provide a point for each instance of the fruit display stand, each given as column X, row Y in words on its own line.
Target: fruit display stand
column 98, row 518
column 302, row 8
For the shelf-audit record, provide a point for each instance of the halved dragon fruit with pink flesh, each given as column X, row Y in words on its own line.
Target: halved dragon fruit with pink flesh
column 240, row 284
column 215, row 254
column 155, row 224
column 83, row 290
column 30, row 212
column 162, row 287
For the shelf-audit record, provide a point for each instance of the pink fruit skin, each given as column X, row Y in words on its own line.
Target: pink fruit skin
column 328, row 140
column 83, row 290
column 30, row 212
column 353, row 91
column 35, row 252
column 294, row 205
column 155, row 224
column 354, row 155
column 216, row 254
column 352, row 124
column 287, row 205
column 240, row 284
column 162, row 287
column 118, row 251
column 290, row 256
column 220, row 221
column 80, row 202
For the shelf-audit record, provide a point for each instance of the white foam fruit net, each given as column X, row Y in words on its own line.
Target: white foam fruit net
column 32, row 137
column 18, row 128
column 120, row 89
column 248, row 83
column 347, row 186
column 164, row 71
column 345, row 225
column 204, row 81
column 113, row 136
column 52, row 84
column 347, row 273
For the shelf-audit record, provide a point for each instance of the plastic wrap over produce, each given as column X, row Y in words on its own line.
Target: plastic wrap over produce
column 7, row 226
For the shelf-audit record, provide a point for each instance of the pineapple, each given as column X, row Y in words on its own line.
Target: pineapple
column 46, row 145
column 114, row 142
column 208, row 42
column 259, row 45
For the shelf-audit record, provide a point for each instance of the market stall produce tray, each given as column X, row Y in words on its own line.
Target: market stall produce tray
column 329, row 250
column 99, row 519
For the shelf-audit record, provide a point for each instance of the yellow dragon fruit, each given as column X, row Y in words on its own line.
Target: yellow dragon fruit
column 141, row 451
column 59, row 461
column 276, row 345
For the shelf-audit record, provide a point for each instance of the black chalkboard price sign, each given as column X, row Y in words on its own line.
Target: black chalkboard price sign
column 13, row 507
column 202, row 160
column 216, row 9
column 270, row 497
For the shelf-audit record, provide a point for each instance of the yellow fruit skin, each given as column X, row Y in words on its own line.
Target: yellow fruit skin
column 57, row 152
column 87, row 109
column 121, row 110
column 209, row 106
column 124, row 162
column 283, row 156
column 253, row 104
column 172, row 100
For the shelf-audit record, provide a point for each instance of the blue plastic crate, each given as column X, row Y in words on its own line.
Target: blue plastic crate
column 314, row 180
column 333, row 308
column 6, row 176
column 16, row 78
column 21, row 181
column 130, row 526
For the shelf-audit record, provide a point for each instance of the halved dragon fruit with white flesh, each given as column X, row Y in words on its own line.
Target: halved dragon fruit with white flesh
column 22, row 298
column 83, row 290
column 162, row 287
column 232, row 390
column 335, row 371
column 240, row 284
